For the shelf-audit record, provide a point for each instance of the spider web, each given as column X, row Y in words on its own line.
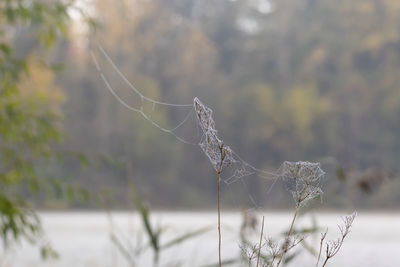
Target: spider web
column 227, row 162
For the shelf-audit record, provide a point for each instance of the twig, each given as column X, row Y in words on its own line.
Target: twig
column 333, row 246
column 259, row 246
column 323, row 235
column 219, row 221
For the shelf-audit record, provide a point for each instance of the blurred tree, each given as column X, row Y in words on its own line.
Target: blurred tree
column 30, row 110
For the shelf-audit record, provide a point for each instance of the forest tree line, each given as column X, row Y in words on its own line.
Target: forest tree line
column 287, row 80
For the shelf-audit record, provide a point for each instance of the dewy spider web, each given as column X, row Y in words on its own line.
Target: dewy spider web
column 221, row 156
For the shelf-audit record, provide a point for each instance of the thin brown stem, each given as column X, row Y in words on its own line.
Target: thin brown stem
column 287, row 237
column 221, row 165
column 320, row 246
column 326, row 260
column 219, row 221
column 259, row 246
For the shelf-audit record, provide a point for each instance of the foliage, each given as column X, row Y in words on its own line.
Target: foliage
column 30, row 111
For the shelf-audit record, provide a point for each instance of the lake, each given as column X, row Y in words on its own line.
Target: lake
column 83, row 239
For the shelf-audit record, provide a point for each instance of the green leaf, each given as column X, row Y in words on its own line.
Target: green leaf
column 6, row 49
column 187, row 236
column 47, row 252
column 226, row 262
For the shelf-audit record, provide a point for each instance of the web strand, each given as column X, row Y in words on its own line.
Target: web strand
column 133, row 87
column 140, row 111
column 209, row 142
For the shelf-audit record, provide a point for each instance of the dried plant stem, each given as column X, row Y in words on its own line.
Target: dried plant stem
column 221, row 165
column 323, row 235
column 219, row 219
column 328, row 256
column 259, row 246
column 326, row 260
column 288, row 235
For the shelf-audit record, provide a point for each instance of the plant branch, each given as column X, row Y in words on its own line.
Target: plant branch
column 323, row 235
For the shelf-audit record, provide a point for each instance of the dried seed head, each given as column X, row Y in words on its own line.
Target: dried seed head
column 303, row 180
column 219, row 154
column 308, row 172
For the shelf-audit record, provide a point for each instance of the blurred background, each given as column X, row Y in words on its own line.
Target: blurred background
column 311, row 80
column 287, row 80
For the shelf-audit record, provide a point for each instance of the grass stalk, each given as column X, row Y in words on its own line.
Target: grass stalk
column 259, row 245
column 219, row 220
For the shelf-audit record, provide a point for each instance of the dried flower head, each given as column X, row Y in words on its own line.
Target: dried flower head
column 304, row 179
column 333, row 246
column 220, row 155
column 347, row 223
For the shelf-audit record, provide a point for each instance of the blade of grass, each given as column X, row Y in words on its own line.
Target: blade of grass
column 224, row 262
column 259, row 246
column 144, row 214
column 186, row 236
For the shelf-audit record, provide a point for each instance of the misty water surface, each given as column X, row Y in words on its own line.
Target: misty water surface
column 83, row 239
